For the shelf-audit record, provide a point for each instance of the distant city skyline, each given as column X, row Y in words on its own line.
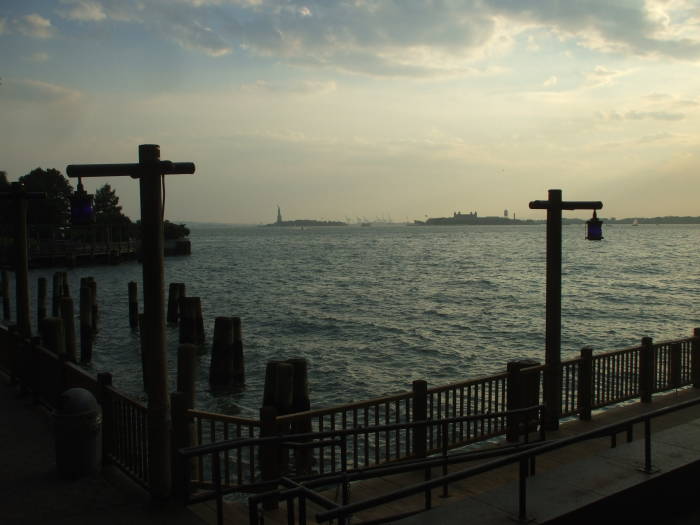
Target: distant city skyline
column 362, row 108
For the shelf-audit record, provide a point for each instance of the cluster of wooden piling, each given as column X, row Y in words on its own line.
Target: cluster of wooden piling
column 58, row 330
column 227, row 370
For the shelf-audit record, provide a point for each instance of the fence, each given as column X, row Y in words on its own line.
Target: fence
column 378, row 431
column 46, row 375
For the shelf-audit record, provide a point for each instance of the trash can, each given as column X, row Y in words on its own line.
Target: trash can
column 78, row 433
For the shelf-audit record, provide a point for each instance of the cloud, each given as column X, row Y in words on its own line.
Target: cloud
column 34, row 25
column 39, row 57
column 640, row 115
column 28, row 90
column 551, row 81
column 602, row 76
column 303, row 88
column 83, row 10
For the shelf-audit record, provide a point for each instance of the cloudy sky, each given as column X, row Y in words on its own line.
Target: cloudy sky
column 362, row 108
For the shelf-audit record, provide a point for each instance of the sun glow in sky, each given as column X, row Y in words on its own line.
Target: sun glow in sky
column 395, row 109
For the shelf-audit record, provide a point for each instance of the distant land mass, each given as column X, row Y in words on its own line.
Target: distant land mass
column 472, row 218
column 303, row 222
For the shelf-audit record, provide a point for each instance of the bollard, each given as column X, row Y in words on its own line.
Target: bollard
column 133, row 305
column 85, row 324
column 221, row 367
column 176, row 291
column 5, row 291
column 68, row 327
column 52, row 336
column 191, row 322
column 238, row 361
column 56, row 293
column 41, row 300
column 187, row 367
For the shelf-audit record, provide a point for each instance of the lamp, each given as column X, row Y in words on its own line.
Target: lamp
column 594, row 228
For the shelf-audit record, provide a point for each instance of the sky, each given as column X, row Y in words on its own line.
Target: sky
column 362, row 109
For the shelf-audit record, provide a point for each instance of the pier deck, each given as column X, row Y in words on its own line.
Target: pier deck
column 570, row 483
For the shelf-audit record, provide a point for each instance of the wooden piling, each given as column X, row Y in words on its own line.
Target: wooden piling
column 221, row 367
column 65, row 286
column 86, row 334
column 238, row 360
column 303, row 457
column 56, row 293
column 267, row 459
column 191, row 322
column 66, row 307
column 187, row 369
column 52, row 335
column 176, row 291
column 5, row 291
column 95, row 310
column 133, row 305
column 41, row 300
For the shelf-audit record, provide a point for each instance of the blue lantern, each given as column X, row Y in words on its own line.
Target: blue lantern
column 81, row 207
column 594, row 228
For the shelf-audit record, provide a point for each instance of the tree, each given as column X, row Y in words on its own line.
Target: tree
column 174, row 231
column 55, row 209
column 4, row 185
column 107, row 209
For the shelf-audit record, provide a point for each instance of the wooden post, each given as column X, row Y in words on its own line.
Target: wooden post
column 95, row 310
column 149, row 170
column 41, row 300
column 238, row 359
column 420, row 413
column 56, row 293
column 85, row 323
column 104, row 380
column 5, row 290
column 191, row 322
column 65, row 287
column 695, row 358
column 187, row 368
column 68, row 327
column 176, row 291
column 143, row 340
column 133, row 305
column 21, row 262
column 221, row 367
column 269, row 467
column 646, row 370
column 52, row 335
column 552, row 383
column 183, row 436
column 585, row 384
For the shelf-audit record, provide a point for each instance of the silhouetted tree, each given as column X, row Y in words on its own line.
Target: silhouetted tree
column 174, row 231
column 4, row 185
column 55, row 209
column 106, row 206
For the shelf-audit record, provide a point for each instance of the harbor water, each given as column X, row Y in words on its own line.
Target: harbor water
column 374, row 308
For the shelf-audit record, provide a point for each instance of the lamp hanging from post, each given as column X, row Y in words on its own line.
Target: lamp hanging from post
column 594, row 228
column 82, row 209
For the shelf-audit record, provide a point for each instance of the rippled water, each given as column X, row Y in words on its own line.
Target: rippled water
column 374, row 308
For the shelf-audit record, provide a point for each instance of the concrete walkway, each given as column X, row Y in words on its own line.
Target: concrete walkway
column 31, row 491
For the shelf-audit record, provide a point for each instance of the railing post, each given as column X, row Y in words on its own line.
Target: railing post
column 695, row 358
column 521, row 393
column 675, row 366
column 420, row 413
column 585, row 384
column 104, row 380
column 646, row 370
column 269, row 453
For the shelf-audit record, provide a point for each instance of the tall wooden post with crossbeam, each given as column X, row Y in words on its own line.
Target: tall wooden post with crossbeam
column 149, row 170
column 552, row 375
column 19, row 197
